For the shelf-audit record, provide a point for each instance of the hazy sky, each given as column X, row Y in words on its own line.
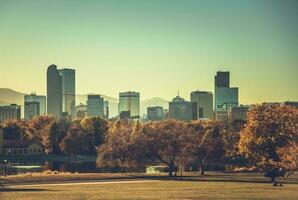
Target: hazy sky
column 156, row 47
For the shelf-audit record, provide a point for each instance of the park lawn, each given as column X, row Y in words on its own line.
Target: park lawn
column 215, row 188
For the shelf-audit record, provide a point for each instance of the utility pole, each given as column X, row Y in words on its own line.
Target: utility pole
column 5, row 169
column 181, row 163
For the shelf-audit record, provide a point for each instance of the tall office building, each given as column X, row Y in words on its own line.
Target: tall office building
column 182, row 110
column 10, row 112
column 31, row 110
column 129, row 101
column 155, row 113
column 95, row 106
column 54, row 92
column 37, row 98
column 204, row 102
column 226, row 97
column 222, row 79
column 68, row 91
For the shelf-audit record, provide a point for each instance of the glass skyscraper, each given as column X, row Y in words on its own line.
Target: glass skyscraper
column 226, row 97
column 54, row 92
column 95, row 106
column 68, row 91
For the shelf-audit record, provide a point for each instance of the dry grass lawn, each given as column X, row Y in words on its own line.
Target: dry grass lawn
column 213, row 186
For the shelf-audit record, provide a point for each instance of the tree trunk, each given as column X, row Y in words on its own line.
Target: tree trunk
column 202, row 171
column 171, row 169
column 202, row 167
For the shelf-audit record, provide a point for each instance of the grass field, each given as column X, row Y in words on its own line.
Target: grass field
column 212, row 186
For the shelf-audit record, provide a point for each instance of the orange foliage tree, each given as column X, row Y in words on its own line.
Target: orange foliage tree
column 205, row 143
column 270, row 138
column 117, row 149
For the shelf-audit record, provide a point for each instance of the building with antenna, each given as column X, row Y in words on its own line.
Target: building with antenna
column 180, row 109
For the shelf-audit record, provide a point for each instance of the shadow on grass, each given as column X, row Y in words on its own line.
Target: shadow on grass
column 212, row 178
column 23, row 190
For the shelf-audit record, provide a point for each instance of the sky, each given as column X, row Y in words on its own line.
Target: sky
column 155, row 47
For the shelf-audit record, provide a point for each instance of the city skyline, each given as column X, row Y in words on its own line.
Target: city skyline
column 116, row 47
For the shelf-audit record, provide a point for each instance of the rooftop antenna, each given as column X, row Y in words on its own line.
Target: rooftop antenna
column 178, row 93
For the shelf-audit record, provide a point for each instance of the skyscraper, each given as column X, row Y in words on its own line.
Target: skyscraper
column 204, row 102
column 68, row 91
column 226, row 97
column 182, row 110
column 31, row 110
column 129, row 101
column 54, row 92
column 37, row 98
column 222, row 79
column 95, row 106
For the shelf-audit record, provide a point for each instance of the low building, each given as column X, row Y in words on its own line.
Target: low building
column 106, row 111
column 155, row 113
column 81, row 111
column 238, row 113
column 10, row 112
column 291, row 103
column 22, row 147
column 124, row 115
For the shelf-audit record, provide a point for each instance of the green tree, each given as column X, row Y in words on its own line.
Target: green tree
column 95, row 128
column 75, row 142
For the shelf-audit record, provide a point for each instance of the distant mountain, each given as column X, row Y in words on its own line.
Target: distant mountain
column 9, row 96
column 3, row 103
column 155, row 101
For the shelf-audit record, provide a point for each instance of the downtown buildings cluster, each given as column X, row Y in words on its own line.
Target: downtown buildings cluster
column 60, row 102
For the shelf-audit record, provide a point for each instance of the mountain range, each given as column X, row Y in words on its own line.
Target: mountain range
column 9, row 96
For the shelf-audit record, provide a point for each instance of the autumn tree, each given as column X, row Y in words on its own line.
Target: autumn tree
column 163, row 141
column 205, row 143
column 116, row 152
column 270, row 138
column 231, row 135
column 38, row 127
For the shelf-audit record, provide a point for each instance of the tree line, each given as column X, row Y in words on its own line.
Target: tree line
column 267, row 141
